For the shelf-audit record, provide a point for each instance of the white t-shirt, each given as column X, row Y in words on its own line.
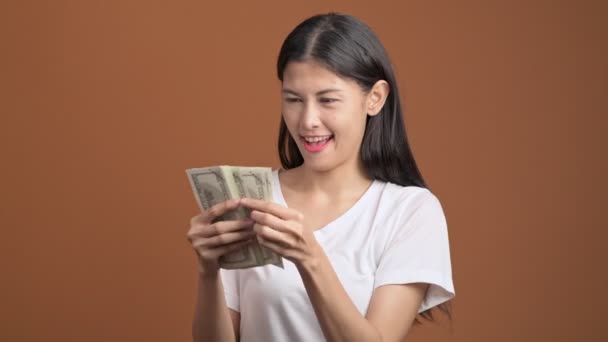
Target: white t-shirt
column 391, row 235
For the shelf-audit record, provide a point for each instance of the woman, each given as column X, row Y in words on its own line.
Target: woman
column 365, row 242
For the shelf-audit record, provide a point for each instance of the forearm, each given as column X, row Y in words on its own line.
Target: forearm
column 211, row 316
column 338, row 316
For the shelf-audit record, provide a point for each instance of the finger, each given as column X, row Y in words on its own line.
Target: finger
column 224, row 239
column 275, row 247
column 218, row 228
column 270, row 220
column 223, row 227
column 220, row 209
column 233, row 247
column 269, row 234
column 197, row 219
column 271, row 208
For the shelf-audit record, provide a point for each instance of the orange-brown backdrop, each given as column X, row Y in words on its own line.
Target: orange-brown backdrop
column 105, row 103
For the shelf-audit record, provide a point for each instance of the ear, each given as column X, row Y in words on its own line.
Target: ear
column 376, row 97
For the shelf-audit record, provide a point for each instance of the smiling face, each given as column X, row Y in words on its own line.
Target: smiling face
column 325, row 114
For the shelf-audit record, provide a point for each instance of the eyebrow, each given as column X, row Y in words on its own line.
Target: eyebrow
column 321, row 92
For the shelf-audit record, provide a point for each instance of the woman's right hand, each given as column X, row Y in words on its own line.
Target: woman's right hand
column 211, row 240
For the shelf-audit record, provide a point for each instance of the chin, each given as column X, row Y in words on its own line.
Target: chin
column 322, row 166
column 318, row 166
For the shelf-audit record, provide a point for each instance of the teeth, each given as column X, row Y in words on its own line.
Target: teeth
column 316, row 139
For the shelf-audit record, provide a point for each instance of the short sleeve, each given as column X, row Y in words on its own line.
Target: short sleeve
column 230, row 281
column 418, row 250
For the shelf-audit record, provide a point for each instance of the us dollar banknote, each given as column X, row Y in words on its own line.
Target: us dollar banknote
column 212, row 185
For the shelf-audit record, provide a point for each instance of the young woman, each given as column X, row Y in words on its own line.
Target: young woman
column 364, row 242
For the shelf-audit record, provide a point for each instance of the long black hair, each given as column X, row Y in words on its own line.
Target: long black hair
column 349, row 48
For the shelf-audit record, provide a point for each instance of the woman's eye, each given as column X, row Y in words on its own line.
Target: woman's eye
column 327, row 100
column 292, row 99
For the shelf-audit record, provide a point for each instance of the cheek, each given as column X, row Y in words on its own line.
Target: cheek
column 357, row 131
column 291, row 121
column 291, row 112
column 351, row 124
column 287, row 114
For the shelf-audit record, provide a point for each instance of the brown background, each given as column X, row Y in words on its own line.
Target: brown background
column 105, row 103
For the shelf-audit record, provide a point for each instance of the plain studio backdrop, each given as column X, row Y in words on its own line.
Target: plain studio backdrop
column 104, row 104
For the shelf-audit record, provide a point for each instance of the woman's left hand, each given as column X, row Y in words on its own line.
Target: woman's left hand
column 281, row 230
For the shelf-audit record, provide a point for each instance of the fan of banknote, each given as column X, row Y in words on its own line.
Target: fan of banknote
column 212, row 185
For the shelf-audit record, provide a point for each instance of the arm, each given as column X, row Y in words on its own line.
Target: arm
column 390, row 314
column 419, row 245
column 212, row 319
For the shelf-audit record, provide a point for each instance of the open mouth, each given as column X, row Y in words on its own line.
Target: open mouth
column 318, row 143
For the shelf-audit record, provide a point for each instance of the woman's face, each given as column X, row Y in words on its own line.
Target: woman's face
column 325, row 114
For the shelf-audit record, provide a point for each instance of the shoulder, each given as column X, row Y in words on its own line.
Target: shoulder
column 408, row 198
column 400, row 206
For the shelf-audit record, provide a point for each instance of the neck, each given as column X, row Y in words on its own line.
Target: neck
column 343, row 181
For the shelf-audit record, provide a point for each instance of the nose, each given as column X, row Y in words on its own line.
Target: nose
column 310, row 116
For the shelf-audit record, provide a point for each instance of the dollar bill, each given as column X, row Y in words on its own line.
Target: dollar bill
column 212, row 185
